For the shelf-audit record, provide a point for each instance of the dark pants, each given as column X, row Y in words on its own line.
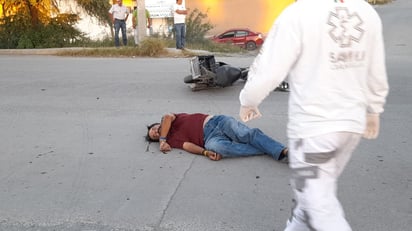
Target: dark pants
column 119, row 24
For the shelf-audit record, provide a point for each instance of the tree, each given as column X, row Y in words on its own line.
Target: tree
column 196, row 29
column 97, row 8
column 37, row 11
column 38, row 23
column 41, row 10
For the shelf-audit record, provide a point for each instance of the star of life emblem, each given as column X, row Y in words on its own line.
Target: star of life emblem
column 346, row 27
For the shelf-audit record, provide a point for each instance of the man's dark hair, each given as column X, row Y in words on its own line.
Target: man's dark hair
column 147, row 135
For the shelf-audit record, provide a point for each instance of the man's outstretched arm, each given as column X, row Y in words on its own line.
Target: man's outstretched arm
column 196, row 149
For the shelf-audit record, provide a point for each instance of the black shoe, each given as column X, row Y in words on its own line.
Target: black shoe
column 284, row 86
column 284, row 156
column 285, row 160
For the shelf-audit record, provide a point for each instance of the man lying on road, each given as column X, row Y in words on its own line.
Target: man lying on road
column 214, row 136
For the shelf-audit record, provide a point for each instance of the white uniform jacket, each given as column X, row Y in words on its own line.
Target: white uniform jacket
column 333, row 55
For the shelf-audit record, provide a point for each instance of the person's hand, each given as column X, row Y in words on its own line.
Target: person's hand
column 164, row 147
column 372, row 126
column 247, row 113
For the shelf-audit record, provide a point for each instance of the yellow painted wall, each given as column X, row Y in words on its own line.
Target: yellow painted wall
column 128, row 3
column 258, row 15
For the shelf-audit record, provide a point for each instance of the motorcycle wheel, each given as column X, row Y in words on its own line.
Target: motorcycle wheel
column 188, row 79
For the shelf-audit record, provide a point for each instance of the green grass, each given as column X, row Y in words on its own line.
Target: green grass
column 379, row 2
column 150, row 47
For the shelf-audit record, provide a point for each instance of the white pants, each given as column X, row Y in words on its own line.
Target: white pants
column 136, row 35
column 316, row 164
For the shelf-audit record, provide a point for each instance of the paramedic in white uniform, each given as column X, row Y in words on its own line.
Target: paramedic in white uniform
column 333, row 54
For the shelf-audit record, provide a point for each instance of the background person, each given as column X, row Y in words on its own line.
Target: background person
column 213, row 136
column 119, row 14
column 333, row 51
column 135, row 23
column 179, row 16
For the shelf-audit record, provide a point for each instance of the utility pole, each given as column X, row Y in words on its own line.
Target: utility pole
column 141, row 18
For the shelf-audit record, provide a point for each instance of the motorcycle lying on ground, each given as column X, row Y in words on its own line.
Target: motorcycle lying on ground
column 206, row 73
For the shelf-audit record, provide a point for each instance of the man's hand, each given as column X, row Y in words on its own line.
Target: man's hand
column 247, row 113
column 213, row 155
column 164, row 147
column 372, row 126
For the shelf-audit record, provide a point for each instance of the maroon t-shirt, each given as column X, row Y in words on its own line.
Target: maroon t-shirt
column 186, row 128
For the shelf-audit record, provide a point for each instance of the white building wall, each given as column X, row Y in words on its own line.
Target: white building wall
column 88, row 25
column 94, row 30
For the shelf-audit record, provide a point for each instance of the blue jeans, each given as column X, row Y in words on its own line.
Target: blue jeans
column 231, row 138
column 180, row 33
column 119, row 24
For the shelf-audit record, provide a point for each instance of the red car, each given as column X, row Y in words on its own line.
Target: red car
column 241, row 37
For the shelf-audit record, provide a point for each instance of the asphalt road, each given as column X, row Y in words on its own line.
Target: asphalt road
column 73, row 156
